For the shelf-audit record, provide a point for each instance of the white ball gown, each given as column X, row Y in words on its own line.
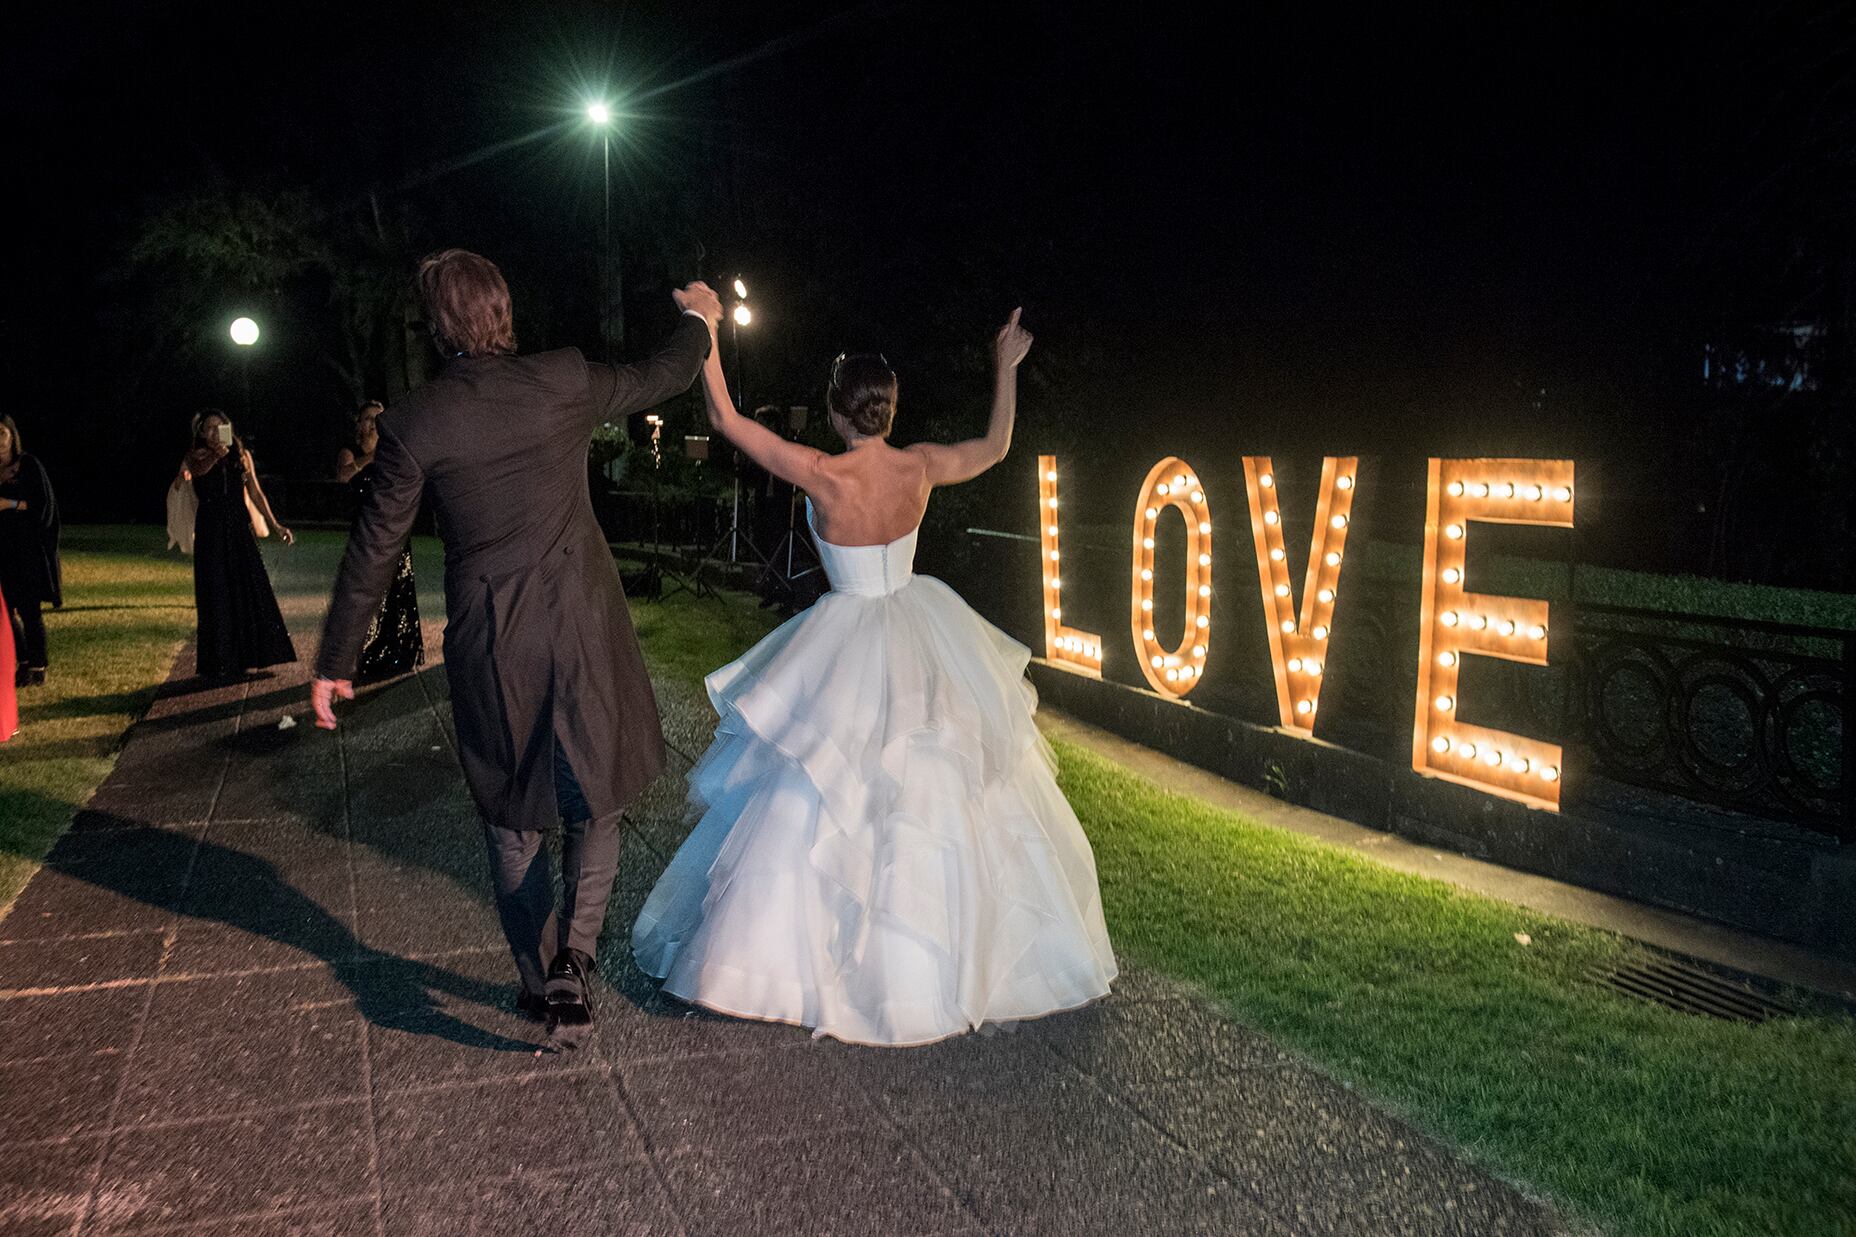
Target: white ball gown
column 882, row 852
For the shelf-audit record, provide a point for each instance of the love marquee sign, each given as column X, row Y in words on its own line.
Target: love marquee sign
column 1454, row 622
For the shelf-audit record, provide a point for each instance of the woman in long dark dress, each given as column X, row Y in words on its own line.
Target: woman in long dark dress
column 30, row 574
column 395, row 644
column 241, row 627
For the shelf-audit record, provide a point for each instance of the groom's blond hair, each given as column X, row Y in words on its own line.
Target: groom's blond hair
column 467, row 303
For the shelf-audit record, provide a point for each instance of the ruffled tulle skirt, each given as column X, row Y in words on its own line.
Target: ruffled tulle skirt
column 881, row 850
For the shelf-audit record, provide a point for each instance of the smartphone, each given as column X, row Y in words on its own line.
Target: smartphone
column 225, row 434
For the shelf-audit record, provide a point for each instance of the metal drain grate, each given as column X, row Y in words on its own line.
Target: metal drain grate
column 1691, row 990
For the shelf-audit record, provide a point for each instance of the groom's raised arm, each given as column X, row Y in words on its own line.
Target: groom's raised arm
column 374, row 547
column 620, row 390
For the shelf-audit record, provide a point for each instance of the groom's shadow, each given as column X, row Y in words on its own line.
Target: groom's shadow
column 164, row 868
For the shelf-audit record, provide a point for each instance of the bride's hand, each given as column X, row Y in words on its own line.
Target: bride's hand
column 701, row 298
column 1012, row 342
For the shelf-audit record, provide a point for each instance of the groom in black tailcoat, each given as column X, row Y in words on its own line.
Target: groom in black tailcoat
column 555, row 715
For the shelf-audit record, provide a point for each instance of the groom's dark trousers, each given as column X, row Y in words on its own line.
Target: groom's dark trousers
column 554, row 711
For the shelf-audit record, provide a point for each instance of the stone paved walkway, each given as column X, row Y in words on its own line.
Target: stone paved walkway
column 259, row 988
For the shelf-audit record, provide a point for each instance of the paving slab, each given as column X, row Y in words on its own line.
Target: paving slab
column 261, row 988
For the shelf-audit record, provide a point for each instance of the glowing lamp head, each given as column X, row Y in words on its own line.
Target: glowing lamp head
column 743, row 315
column 741, row 289
column 599, row 113
column 244, row 332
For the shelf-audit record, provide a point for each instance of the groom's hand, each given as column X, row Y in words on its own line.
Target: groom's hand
column 701, row 298
column 322, row 694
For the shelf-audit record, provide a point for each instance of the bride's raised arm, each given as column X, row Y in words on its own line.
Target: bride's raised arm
column 952, row 463
column 789, row 461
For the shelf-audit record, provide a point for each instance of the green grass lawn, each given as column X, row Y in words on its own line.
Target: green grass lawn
column 129, row 607
column 1639, row 1120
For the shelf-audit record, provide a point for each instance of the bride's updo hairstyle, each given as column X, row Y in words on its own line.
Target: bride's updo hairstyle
column 863, row 392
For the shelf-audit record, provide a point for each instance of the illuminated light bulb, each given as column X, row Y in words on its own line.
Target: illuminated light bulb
column 1320, row 632
column 1198, row 496
column 1477, row 622
column 1448, row 618
column 1276, row 555
column 1147, row 573
column 1533, row 493
column 1506, row 627
column 1266, row 481
column 1193, row 482
column 1056, row 612
column 1549, row 773
column 1179, row 482
column 1446, row 659
column 1205, row 526
column 1537, row 632
column 1163, row 489
column 1492, row 758
column 1295, row 665
column 1313, row 667
column 1147, row 543
column 1468, row 751
column 1446, row 703
column 1440, row 745
column 1147, row 603
column 1205, row 590
column 1198, row 650
column 1479, row 490
column 1562, row 494
column 1505, row 490
column 1333, row 559
column 1153, row 513
column 1519, row 764
column 1186, row 672
column 1344, row 483
column 1282, row 590
column 1172, row 676
column 1339, row 521
column 1205, row 560
column 1325, row 595
column 1269, row 517
column 1051, row 503
column 1053, row 556
column 1204, row 622
column 1051, row 529
column 1454, row 532
column 1158, row 661
column 1172, row 661
column 1288, row 626
column 1304, row 708
column 1452, row 575
column 1051, row 475
column 1456, row 489
column 1094, row 651
column 1148, row 634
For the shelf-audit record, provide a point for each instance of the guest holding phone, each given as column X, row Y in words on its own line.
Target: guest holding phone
column 30, row 574
column 241, row 628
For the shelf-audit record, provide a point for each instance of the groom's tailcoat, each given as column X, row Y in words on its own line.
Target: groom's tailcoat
column 538, row 641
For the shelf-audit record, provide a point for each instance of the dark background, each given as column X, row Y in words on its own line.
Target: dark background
column 1623, row 234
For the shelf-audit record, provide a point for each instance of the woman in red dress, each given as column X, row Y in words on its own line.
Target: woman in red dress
column 9, row 703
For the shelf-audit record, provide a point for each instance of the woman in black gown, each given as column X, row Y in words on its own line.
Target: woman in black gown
column 395, row 643
column 241, row 627
column 30, row 576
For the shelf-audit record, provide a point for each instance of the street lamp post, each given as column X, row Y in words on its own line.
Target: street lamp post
column 245, row 334
column 740, row 318
column 611, row 292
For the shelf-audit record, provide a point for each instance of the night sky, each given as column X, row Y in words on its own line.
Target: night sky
column 1456, row 227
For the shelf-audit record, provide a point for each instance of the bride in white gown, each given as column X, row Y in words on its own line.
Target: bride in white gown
column 882, row 852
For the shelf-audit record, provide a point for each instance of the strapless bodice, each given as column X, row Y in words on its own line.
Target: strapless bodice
column 866, row 570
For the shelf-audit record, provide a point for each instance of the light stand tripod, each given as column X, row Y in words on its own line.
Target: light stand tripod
column 652, row 586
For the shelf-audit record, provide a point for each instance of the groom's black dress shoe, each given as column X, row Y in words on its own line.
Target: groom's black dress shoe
column 531, row 1004
column 569, row 999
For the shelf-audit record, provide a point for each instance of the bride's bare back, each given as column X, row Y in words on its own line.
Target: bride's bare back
column 872, row 493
